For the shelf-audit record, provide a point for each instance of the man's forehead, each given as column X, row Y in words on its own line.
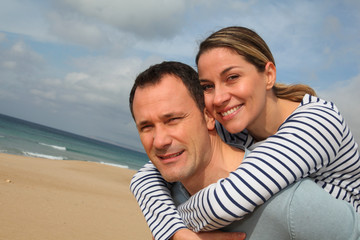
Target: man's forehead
column 168, row 85
column 166, row 98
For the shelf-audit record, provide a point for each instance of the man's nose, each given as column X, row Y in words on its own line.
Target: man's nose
column 161, row 137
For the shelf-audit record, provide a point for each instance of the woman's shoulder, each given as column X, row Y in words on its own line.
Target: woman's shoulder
column 312, row 104
column 310, row 101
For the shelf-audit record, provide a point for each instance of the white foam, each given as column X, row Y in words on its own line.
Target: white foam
column 115, row 165
column 31, row 154
column 54, row 146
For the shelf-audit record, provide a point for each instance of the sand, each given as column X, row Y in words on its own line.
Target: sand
column 58, row 199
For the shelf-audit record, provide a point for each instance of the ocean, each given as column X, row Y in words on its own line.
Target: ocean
column 25, row 138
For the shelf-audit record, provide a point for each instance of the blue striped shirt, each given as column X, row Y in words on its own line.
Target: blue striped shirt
column 314, row 142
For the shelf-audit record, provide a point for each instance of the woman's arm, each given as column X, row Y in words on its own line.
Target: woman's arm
column 153, row 196
column 305, row 143
column 186, row 234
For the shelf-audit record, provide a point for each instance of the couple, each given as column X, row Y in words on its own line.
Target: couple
column 304, row 130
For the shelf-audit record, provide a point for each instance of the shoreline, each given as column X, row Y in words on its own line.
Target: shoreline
column 67, row 199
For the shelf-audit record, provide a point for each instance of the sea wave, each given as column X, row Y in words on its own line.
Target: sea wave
column 31, row 154
column 54, row 146
column 115, row 165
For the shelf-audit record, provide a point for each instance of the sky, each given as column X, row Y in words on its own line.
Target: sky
column 70, row 64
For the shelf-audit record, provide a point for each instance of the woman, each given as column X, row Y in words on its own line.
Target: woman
column 292, row 135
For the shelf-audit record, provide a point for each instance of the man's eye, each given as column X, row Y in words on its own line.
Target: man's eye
column 174, row 119
column 145, row 128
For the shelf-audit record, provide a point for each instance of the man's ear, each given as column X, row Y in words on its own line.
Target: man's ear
column 270, row 73
column 210, row 120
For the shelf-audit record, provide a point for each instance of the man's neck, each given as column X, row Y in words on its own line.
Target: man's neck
column 224, row 159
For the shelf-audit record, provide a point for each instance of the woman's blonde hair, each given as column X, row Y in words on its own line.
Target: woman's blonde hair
column 254, row 49
column 294, row 92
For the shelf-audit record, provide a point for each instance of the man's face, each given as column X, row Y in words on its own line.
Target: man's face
column 172, row 129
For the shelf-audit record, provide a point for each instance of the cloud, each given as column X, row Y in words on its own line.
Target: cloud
column 75, row 30
column 2, row 37
column 19, row 67
column 9, row 64
column 46, row 95
column 25, row 18
column 345, row 96
column 100, row 83
column 146, row 19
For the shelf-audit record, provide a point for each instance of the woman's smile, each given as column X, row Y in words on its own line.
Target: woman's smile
column 229, row 113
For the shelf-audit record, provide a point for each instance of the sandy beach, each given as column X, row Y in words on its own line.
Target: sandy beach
column 58, row 199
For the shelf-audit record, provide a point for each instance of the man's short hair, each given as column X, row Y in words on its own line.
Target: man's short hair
column 184, row 72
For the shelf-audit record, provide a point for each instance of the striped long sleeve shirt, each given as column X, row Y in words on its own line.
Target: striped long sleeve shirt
column 314, row 142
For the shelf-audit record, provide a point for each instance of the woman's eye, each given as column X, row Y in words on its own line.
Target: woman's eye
column 206, row 87
column 233, row 77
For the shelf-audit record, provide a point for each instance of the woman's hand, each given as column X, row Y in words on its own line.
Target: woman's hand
column 186, row 234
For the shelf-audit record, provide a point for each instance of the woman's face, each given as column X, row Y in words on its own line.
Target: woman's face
column 234, row 90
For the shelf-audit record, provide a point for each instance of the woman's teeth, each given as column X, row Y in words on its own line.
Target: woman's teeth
column 224, row 114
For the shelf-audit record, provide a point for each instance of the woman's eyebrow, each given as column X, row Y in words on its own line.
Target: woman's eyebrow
column 228, row 69
column 203, row 80
column 222, row 73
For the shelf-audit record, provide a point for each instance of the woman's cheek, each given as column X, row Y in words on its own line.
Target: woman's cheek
column 209, row 104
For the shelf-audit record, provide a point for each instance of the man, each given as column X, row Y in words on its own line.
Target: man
column 180, row 139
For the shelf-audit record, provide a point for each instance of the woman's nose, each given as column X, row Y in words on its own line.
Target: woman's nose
column 221, row 96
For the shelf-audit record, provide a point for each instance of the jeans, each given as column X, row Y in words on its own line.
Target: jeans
column 303, row 210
